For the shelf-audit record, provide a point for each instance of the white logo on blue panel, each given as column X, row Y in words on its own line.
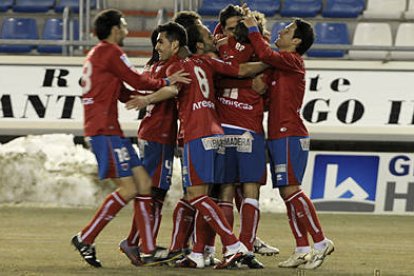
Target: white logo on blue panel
column 345, row 182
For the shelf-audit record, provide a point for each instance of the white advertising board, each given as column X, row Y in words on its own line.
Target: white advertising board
column 380, row 183
column 339, row 104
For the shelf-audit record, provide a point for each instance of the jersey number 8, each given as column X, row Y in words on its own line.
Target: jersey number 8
column 86, row 77
column 202, row 81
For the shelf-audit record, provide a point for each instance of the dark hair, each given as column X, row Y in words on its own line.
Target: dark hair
column 188, row 20
column 105, row 20
column 174, row 31
column 229, row 11
column 241, row 33
column 155, row 56
column 304, row 31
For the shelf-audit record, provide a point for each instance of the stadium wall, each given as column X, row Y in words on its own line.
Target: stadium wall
column 345, row 100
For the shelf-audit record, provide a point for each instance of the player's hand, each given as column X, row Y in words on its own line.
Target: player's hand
column 249, row 21
column 246, row 10
column 259, row 85
column 221, row 42
column 137, row 102
column 179, row 76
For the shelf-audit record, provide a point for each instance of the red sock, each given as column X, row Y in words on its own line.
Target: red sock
column 201, row 229
column 145, row 222
column 250, row 216
column 227, row 208
column 133, row 236
column 215, row 218
column 108, row 210
column 183, row 224
column 238, row 197
column 296, row 226
column 306, row 214
column 157, row 217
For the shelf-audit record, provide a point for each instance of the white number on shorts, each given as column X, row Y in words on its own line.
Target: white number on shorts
column 123, row 154
column 202, row 81
column 86, row 77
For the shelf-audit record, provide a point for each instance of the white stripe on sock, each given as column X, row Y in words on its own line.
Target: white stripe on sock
column 101, row 216
column 147, row 224
column 295, row 223
column 118, row 199
column 255, row 222
column 308, row 214
column 177, row 228
column 216, row 218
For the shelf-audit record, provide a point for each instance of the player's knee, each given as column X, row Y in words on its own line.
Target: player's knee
column 227, row 192
column 251, row 190
column 287, row 191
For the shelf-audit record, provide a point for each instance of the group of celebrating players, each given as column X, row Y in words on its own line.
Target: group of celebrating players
column 218, row 88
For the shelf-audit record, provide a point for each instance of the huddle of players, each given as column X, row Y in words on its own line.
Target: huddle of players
column 223, row 142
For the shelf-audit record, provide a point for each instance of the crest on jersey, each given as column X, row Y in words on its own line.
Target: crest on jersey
column 125, row 60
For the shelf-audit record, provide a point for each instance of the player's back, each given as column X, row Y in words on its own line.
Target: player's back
column 241, row 107
column 196, row 100
column 100, row 91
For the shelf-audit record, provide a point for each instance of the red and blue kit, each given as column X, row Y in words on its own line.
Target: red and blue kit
column 242, row 107
column 241, row 114
column 104, row 70
column 115, row 156
column 199, row 122
column 157, row 134
column 284, row 122
column 287, row 89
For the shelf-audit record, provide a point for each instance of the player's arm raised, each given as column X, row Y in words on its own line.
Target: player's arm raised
column 263, row 50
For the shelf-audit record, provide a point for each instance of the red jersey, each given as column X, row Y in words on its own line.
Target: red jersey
column 287, row 89
column 160, row 122
column 196, row 100
column 104, row 70
column 241, row 107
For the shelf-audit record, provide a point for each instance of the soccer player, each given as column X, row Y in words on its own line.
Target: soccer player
column 241, row 114
column 156, row 141
column 289, row 139
column 202, row 133
column 104, row 70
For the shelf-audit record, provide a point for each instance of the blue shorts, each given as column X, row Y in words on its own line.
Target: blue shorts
column 157, row 160
column 288, row 158
column 245, row 156
column 115, row 155
column 203, row 161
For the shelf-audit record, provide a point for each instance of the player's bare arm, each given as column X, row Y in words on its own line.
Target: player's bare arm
column 139, row 102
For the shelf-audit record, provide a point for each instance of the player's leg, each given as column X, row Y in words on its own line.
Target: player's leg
column 183, row 218
column 251, row 160
column 227, row 190
column 158, row 161
column 113, row 162
column 301, row 211
column 200, row 166
column 183, row 225
column 278, row 154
